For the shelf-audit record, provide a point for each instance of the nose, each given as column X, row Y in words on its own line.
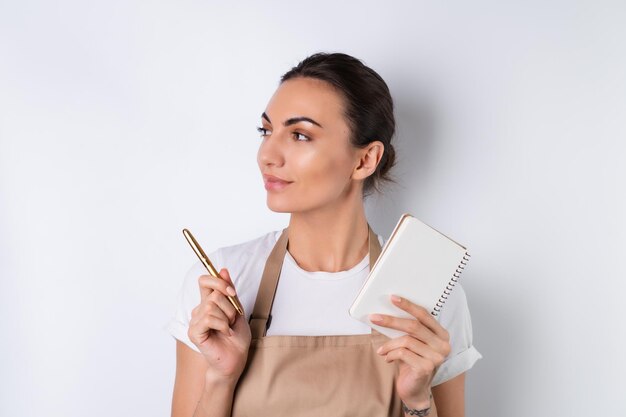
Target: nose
column 270, row 152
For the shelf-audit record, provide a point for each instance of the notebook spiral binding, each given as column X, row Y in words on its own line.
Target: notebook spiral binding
column 453, row 281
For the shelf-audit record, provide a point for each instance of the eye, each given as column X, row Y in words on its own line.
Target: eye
column 300, row 137
column 263, row 131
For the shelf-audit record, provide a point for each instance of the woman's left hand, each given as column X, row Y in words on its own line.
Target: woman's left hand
column 419, row 353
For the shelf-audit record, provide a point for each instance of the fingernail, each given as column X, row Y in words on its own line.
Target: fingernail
column 231, row 291
column 395, row 299
column 376, row 317
column 380, row 349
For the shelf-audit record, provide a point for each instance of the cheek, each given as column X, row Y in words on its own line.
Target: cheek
column 321, row 166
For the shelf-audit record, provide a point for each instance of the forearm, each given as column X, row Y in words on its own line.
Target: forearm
column 216, row 400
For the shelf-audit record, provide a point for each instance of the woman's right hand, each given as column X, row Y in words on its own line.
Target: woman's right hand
column 220, row 333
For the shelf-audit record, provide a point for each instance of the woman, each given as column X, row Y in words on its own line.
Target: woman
column 325, row 145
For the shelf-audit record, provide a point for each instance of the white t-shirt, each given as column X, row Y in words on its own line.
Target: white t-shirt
column 313, row 303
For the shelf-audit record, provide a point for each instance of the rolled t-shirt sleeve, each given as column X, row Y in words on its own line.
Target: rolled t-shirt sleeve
column 188, row 299
column 455, row 317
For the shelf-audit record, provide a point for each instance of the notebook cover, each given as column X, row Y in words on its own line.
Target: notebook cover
column 418, row 263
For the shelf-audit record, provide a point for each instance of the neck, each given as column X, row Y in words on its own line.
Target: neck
column 332, row 238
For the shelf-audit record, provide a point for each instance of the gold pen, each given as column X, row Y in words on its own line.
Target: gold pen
column 209, row 266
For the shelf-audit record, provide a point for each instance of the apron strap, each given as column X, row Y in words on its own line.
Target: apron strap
column 374, row 247
column 260, row 319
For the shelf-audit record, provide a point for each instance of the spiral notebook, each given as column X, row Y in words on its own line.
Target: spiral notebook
column 418, row 263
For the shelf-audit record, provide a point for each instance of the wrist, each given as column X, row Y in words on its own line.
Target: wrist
column 214, row 383
column 418, row 406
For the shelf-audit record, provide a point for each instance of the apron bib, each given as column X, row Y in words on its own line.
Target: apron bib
column 338, row 375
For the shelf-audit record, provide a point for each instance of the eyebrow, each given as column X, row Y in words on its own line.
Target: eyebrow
column 293, row 120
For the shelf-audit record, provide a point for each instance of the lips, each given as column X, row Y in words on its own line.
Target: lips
column 274, row 183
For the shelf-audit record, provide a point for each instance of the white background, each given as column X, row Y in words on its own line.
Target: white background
column 121, row 122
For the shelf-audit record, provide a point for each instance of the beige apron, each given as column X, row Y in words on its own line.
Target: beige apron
column 338, row 375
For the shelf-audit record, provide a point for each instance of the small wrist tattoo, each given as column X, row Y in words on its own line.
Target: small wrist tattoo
column 415, row 412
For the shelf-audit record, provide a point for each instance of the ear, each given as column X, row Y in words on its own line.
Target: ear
column 369, row 157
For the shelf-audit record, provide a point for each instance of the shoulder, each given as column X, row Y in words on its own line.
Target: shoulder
column 245, row 260
column 259, row 246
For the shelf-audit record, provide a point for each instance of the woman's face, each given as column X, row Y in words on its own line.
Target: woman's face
column 305, row 143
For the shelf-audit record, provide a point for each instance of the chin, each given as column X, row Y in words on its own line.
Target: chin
column 279, row 209
column 285, row 203
column 279, row 205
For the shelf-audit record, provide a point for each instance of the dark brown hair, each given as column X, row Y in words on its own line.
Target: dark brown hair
column 368, row 104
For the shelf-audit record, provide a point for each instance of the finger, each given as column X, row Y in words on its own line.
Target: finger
column 226, row 276
column 205, row 290
column 416, row 346
column 421, row 365
column 208, row 307
column 224, row 304
column 422, row 315
column 215, row 301
column 200, row 328
column 216, row 311
column 224, row 320
column 412, row 327
column 209, row 283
